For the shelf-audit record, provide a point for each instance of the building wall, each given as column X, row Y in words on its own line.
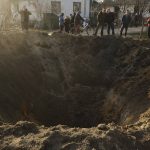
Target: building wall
column 44, row 6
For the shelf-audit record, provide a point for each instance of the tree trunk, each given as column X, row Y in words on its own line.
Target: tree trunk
column 5, row 9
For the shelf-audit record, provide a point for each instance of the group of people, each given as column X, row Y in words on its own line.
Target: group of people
column 107, row 18
column 75, row 21
column 71, row 24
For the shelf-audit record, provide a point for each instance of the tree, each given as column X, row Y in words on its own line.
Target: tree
column 108, row 1
column 5, row 10
column 143, row 6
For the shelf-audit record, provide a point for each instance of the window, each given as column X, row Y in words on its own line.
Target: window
column 56, row 7
column 76, row 6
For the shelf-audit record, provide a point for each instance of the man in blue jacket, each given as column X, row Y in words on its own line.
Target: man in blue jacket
column 61, row 22
column 126, row 19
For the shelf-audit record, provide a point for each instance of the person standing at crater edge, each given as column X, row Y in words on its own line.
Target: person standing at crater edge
column 67, row 24
column 72, row 17
column 77, row 22
column 101, row 18
column 148, row 21
column 25, row 18
column 126, row 19
column 110, row 18
column 61, row 22
column 27, row 14
column 22, row 14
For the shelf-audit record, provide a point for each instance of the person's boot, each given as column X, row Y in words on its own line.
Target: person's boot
column 125, row 34
column 120, row 33
column 148, row 32
column 95, row 34
column 108, row 32
column 101, row 33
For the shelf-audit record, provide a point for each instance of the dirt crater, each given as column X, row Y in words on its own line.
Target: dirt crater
column 73, row 80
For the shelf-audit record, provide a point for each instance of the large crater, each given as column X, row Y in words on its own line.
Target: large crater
column 73, row 80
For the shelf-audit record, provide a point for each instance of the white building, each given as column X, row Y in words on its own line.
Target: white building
column 38, row 7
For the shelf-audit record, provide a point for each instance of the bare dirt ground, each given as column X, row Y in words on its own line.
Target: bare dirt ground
column 98, row 89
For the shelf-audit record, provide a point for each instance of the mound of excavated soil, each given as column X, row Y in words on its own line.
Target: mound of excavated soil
column 75, row 81
column 29, row 136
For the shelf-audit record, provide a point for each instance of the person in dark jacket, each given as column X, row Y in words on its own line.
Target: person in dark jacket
column 72, row 17
column 27, row 14
column 110, row 17
column 148, row 21
column 126, row 19
column 77, row 22
column 136, row 19
column 101, row 18
column 25, row 18
column 67, row 24
column 22, row 14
